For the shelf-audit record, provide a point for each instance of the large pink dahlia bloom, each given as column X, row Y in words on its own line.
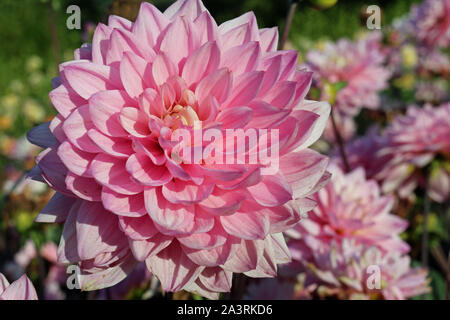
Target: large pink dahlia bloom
column 21, row 289
column 431, row 23
column 122, row 191
column 358, row 64
column 349, row 207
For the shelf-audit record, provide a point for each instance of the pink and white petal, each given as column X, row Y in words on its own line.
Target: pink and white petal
column 149, row 23
column 189, row 8
column 143, row 249
column 123, row 205
column 186, row 193
column 274, row 190
column 111, row 172
column 104, row 108
column 269, row 39
column 84, row 188
column 87, row 78
column 140, row 228
column 135, row 122
column 173, row 268
column 117, row 147
column 200, row 63
column 21, row 289
column 75, row 159
column 146, row 172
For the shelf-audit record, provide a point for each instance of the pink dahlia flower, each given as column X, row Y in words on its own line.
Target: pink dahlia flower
column 431, row 23
column 21, row 289
column 349, row 207
column 113, row 155
column 351, row 271
column 397, row 156
column 359, row 64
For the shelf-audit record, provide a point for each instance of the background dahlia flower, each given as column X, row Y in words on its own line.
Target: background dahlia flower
column 349, row 271
column 396, row 158
column 349, row 208
column 109, row 152
column 358, row 64
column 431, row 23
column 21, row 289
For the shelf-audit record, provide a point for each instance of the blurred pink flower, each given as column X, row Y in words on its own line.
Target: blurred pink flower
column 26, row 254
column 359, row 64
column 345, row 125
column 411, row 143
column 21, row 289
column 349, row 207
column 110, row 156
column 57, row 276
column 431, row 22
column 349, row 271
column 395, row 158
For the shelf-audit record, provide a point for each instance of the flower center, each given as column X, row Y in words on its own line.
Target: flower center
column 180, row 115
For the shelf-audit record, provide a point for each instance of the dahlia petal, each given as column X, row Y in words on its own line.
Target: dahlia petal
column 141, row 228
column 200, row 63
column 146, row 172
column 67, row 249
column 149, row 23
column 267, row 266
column 246, row 256
column 217, row 84
column 135, row 122
column 323, row 109
column 207, row 240
column 152, row 149
column 269, row 39
column 3, row 283
column 21, row 289
column 87, row 78
column 189, row 8
column 245, row 88
column 272, row 191
column 236, row 117
column 272, row 67
column 122, row 41
column 143, row 249
column 207, row 28
column 303, row 170
column 77, row 160
column 216, row 279
column 56, row 210
column 110, row 172
column 170, row 219
column 53, row 170
column 56, row 127
column 215, row 256
column 123, row 205
column 243, row 58
column 186, row 193
column 76, row 127
column 132, row 73
column 163, row 68
column 41, row 136
column 282, row 217
column 117, row 147
column 109, row 276
column 100, row 43
column 246, row 225
column 96, row 231
column 104, row 108
column 84, row 188
column 222, row 203
column 281, row 250
column 117, row 22
column 173, row 268
column 181, row 29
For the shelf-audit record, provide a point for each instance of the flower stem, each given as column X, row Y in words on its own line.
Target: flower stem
column 288, row 24
column 339, row 141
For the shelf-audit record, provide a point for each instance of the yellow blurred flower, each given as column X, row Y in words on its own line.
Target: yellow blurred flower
column 17, row 86
column 409, row 56
column 33, row 111
column 36, row 78
column 10, row 102
column 33, row 64
column 5, row 122
column 405, row 82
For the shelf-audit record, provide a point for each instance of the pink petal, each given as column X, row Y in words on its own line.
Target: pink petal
column 146, row 172
column 200, row 63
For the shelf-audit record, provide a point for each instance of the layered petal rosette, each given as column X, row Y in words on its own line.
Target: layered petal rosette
column 21, row 289
column 349, row 208
column 134, row 182
column 353, row 271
